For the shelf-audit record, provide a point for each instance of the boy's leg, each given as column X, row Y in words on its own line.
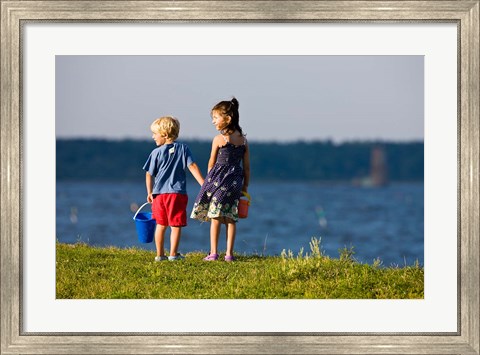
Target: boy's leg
column 176, row 209
column 158, row 211
column 214, row 234
column 159, row 239
column 175, row 234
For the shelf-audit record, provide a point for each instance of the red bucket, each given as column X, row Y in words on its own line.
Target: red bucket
column 243, row 205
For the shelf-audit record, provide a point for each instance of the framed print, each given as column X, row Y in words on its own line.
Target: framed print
column 445, row 33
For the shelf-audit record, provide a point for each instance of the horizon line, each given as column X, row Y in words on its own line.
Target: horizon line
column 255, row 141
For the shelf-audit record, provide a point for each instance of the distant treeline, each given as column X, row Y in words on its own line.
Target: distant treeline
column 93, row 159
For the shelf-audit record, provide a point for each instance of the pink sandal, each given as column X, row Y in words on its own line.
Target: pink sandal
column 211, row 257
column 229, row 258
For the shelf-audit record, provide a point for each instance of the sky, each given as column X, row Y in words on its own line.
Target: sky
column 282, row 97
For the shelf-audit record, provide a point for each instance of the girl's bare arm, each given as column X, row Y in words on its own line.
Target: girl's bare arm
column 246, row 168
column 214, row 152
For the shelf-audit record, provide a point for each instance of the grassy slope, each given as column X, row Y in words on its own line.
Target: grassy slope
column 85, row 272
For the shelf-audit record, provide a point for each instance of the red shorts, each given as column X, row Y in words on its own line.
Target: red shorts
column 170, row 209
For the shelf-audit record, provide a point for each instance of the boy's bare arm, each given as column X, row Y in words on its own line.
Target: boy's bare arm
column 149, row 184
column 197, row 174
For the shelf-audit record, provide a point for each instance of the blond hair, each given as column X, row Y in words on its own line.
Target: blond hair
column 167, row 125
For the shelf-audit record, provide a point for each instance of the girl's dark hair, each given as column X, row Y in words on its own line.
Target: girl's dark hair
column 230, row 108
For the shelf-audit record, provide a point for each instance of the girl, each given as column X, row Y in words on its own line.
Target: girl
column 228, row 175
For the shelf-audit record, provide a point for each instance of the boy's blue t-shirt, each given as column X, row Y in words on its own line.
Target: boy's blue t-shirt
column 167, row 164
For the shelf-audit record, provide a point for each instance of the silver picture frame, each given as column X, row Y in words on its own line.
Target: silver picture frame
column 462, row 12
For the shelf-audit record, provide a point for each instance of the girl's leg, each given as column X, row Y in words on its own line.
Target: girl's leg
column 231, row 232
column 175, row 234
column 214, row 234
column 159, row 238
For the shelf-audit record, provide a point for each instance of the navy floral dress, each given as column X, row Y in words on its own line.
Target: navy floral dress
column 221, row 191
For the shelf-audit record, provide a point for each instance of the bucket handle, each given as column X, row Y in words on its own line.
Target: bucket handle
column 247, row 195
column 146, row 203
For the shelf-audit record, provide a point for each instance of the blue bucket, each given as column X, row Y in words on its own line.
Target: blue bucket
column 145, row 225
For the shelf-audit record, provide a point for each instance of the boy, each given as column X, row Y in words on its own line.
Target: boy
column 166, row 184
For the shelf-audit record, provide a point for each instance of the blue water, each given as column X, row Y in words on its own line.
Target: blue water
column 385, row 223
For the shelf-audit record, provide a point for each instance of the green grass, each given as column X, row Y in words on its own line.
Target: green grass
column 85, row 272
